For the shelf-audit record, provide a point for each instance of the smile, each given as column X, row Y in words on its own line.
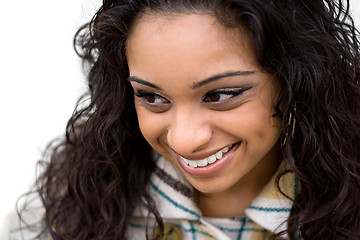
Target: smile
column 211, row 165
column 206, row 161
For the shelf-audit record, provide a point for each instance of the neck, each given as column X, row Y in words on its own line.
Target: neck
column 234, row 201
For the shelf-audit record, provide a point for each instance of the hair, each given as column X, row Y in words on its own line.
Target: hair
column 101, row 170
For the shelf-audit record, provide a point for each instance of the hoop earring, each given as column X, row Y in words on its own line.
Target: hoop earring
column 291, row 124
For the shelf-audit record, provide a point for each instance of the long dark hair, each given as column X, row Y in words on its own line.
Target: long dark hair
column 101, row 170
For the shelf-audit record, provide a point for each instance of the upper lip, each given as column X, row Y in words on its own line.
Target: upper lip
column 200, row 156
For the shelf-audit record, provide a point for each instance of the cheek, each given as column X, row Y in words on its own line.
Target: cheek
column 150, row 124
column 253, row 122
column 263, row 134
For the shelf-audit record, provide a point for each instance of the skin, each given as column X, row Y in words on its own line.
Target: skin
column 168, row 56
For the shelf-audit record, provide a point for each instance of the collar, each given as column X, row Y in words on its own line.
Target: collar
column 174, row 198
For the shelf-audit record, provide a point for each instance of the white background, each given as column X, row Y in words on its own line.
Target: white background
column 40, row 81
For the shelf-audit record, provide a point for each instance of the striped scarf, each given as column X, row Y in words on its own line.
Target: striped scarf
column 173, row 195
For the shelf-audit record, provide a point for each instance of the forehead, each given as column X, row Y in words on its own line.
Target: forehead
column 195, row 45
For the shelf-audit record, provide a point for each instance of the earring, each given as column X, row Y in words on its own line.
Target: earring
column 291, row 124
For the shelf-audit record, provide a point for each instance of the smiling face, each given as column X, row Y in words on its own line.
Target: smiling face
column 203, row 102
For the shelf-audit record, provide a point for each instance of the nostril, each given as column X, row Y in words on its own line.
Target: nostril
column 186, row 143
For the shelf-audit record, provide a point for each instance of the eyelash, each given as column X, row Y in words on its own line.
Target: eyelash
column 230, row 92
column 144, row 94
column 157, row 103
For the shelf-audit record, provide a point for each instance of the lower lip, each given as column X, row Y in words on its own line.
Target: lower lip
column 211, row 169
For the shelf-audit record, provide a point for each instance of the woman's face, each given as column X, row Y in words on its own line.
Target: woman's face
column 202, row 100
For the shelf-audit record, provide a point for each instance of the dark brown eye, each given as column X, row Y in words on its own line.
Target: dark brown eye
column 212, row 97
column 220, row 95
column 149, row 98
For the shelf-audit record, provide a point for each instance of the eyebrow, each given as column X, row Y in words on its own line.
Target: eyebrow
column 198, row 84
column 143, row 82
column 220, row 76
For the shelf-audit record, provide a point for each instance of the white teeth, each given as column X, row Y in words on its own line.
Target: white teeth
column 202, row 163
column 225, row 150
column 209, row 160
column 218, row 155
column 193, row 164
column 185, row 160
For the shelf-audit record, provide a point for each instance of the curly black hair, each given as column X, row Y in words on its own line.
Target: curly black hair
column 98, row 173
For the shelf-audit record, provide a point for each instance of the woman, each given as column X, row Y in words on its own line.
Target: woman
column 212, row 119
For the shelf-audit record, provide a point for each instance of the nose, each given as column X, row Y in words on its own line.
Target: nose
column 189, row 132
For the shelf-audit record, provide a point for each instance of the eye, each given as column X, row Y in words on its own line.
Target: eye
column 151, row 97
column 222, row 95
column 152, row 101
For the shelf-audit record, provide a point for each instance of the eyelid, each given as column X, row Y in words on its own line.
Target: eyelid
column 154, row 107
column 235, row 91
column 141, row 93
column 228, row 103
column 229, row 91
